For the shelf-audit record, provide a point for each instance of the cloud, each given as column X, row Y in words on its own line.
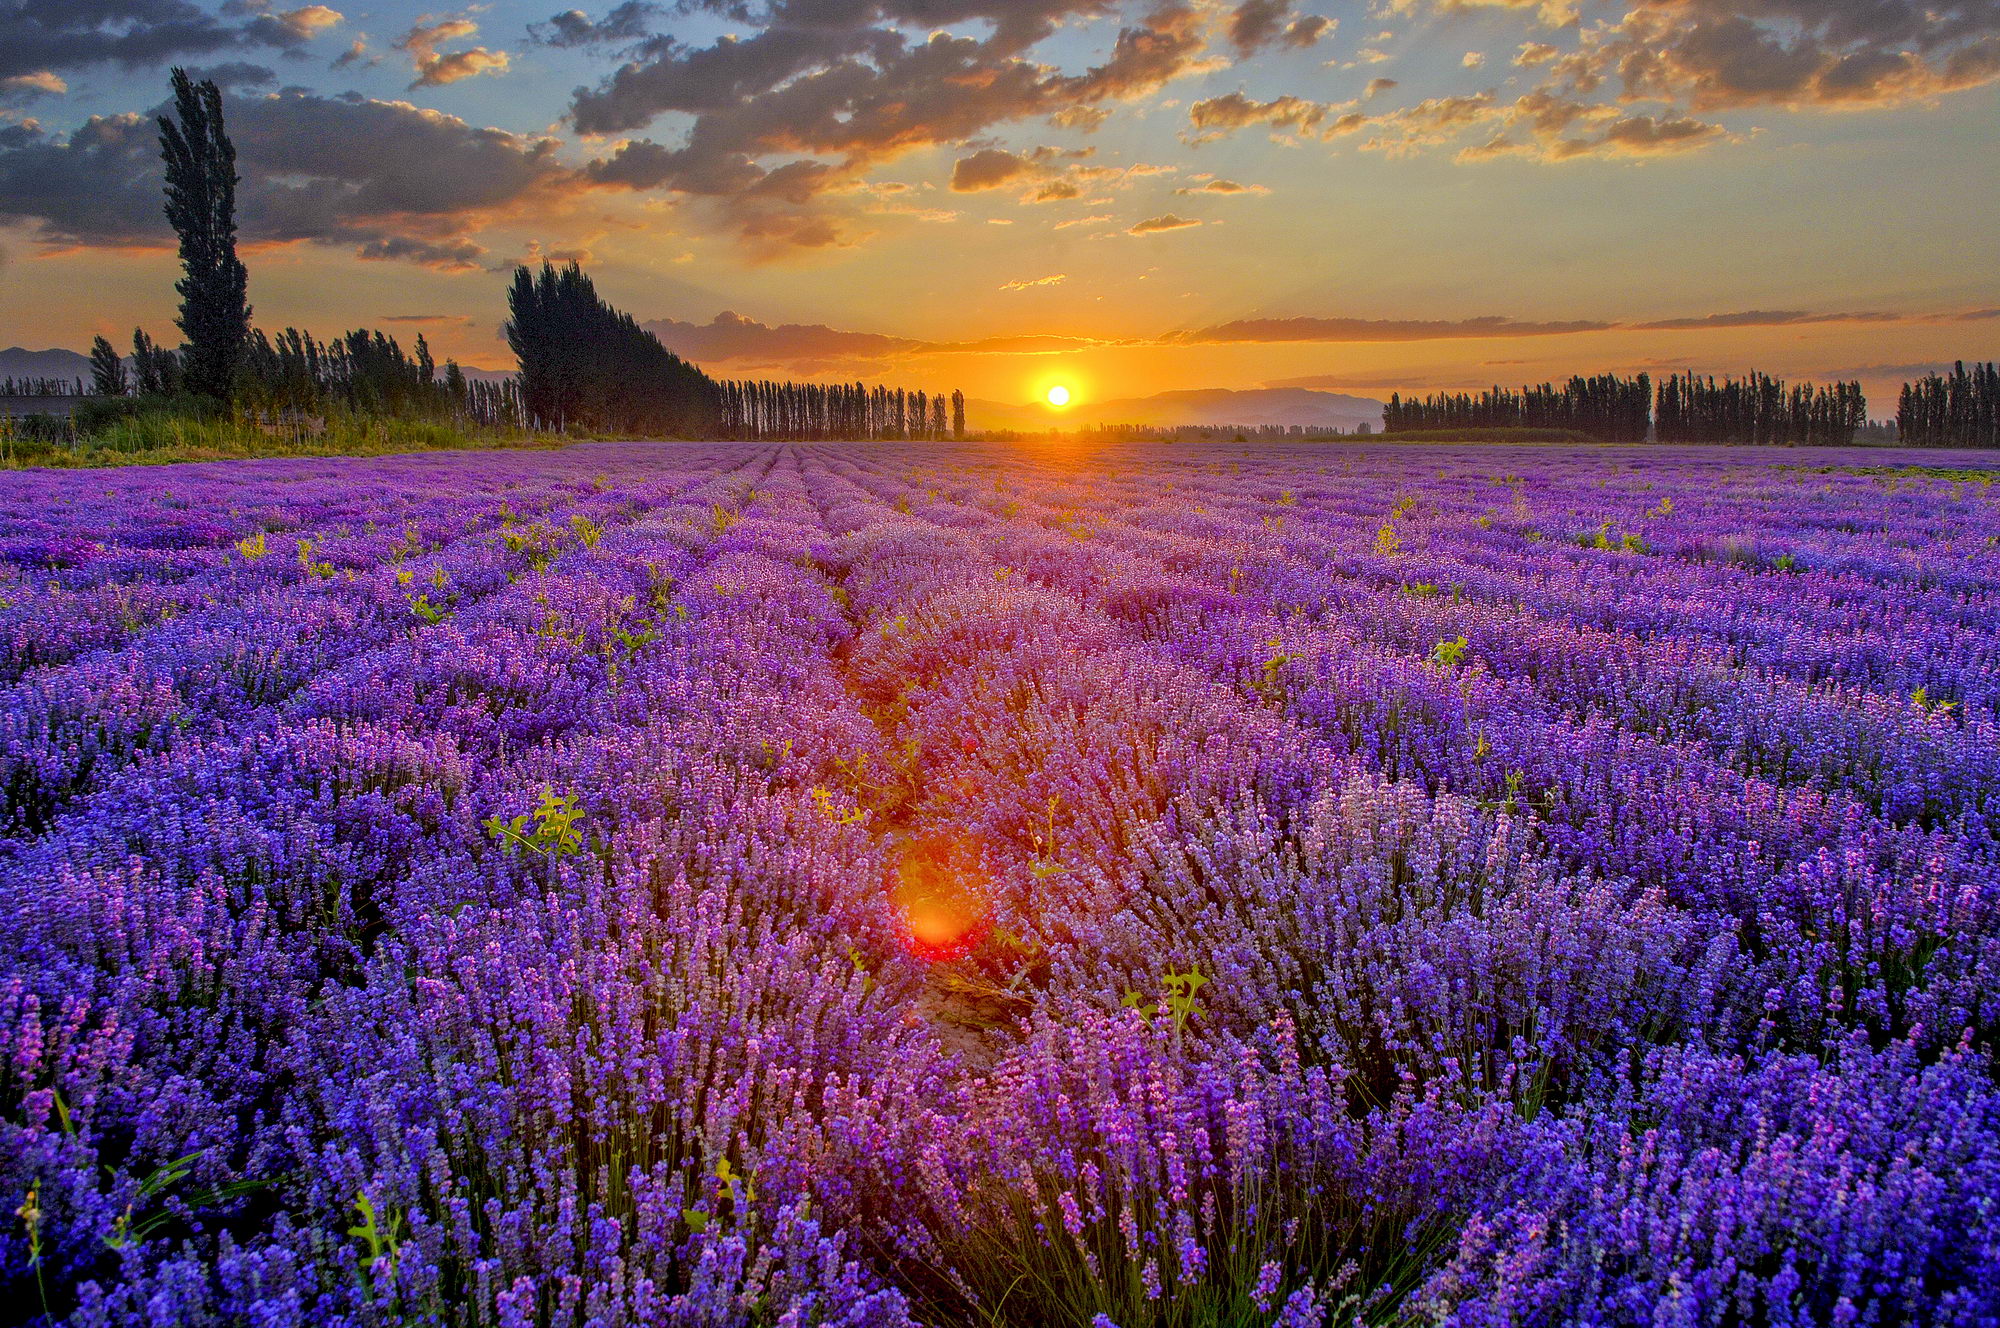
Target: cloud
column 1723, row 54
column 625, row 25
column 1224, row 187
column 1257, row 24
column 235, row 74
column 1643, row 82
column 1553, row 127
column 815, row 347
column 426, row 318
column 1762, row 318
column 291, row 27
column 392, row 180
column 1379, row 330
column 820, row 92
column 730, row 336
column 27, row 87
column 991, row 168
column 1054, row 279
column 1217, row 116
column 1157, row 225
column 747, row 344
column 435, row 68
column 356, row 56
column 45, row 36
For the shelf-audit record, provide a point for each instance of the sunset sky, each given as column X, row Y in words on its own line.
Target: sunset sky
column 999, row 194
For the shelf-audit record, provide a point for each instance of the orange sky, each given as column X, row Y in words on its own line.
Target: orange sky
column 1129, row 197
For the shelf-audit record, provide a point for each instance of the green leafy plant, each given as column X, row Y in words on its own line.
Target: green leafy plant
column 421, row 606
column 555, row 833
column 30, row 1213
column 382, row 1240
column 824, row 803
column 1450, row 654
column 1180, row 998
column 1922, row 698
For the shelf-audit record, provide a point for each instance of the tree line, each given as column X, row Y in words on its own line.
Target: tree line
column 1758, row 409
column 815, row 412
column 587, row 366
column 1685, row 408
column 41, row 387
column 1606, row 407
column 1959, row 409
column 223, row 362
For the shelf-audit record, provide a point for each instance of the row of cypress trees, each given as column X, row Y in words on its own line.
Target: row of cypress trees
column 1758, row 409
column 1606, row 407
column 847, row 411
column 1959, row 409
column 1685, row 409
column 41, row 387
column 586, row 366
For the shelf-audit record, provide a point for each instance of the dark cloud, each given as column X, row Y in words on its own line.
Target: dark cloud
column 38, row 36
column 1256, row 24
column 990, row 168
column 445, row 256
column 1717, row 54
column 731, row 336
column 626, row 25
column 814, row 347
column 1372, row 329
column 839, row 86
column 393, row 180
column 1050, row 172
column 235, row 74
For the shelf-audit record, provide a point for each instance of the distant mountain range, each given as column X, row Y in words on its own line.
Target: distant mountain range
column 16, row 362
column 1199, row 406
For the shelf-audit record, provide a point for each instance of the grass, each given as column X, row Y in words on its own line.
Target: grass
column 161, row 437
column 1962, row 474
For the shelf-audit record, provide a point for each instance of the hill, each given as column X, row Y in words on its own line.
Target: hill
column 19, row 362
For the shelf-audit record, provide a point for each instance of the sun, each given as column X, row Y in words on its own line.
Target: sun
column 1059, row 396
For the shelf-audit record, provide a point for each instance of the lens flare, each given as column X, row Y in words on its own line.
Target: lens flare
column 936, row 887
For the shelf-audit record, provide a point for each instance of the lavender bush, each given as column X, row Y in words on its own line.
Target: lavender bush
column 1162, row 888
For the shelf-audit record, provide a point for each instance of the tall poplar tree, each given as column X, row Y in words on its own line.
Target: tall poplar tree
column 107, row 370
column 201, row 207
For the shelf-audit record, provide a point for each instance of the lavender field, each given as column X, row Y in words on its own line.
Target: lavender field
column 869, row 885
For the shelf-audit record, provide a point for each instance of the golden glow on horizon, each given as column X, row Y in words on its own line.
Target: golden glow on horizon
column 1059, row 396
